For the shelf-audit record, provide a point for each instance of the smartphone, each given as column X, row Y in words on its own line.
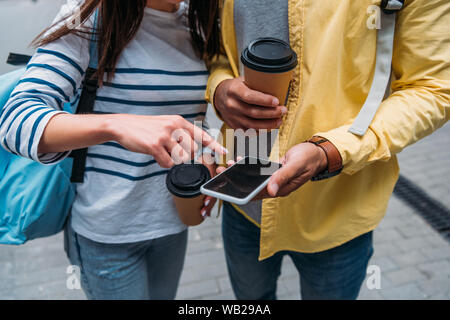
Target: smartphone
column 241, row 182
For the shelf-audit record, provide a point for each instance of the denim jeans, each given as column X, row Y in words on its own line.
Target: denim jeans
column 130, row 271
column 336, row 273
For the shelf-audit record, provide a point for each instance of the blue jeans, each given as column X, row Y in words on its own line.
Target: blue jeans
column 143, row 270
column 337, row 273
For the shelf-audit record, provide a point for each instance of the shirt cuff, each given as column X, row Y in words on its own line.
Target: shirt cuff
column 354, row 150
column 46, row 158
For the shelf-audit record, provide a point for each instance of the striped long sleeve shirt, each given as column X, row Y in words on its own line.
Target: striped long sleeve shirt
column 123, row 197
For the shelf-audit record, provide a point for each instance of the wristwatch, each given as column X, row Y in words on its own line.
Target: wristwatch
column 333, row 156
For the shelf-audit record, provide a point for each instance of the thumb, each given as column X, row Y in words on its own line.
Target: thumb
column 280, row 178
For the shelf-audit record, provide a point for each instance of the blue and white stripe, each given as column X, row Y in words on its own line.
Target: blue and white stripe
column 157, row 74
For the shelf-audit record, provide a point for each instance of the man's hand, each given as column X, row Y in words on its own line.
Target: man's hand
column 299, row 165
column 243, row 108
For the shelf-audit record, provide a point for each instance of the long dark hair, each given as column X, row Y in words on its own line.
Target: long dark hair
column 119, row 21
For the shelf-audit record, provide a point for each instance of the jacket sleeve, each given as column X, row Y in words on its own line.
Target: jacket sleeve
column 420, row 99
column 220, row 70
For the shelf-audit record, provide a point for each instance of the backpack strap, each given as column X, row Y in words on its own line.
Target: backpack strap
column 16, row 59
column 86, row 105
column 383, row 67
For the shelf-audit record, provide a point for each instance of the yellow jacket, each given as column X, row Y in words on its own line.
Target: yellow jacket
column 336, row 54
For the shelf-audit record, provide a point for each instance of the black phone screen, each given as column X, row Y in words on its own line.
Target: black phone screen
column 243, row 178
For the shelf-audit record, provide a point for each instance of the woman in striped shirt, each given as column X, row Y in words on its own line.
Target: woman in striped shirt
column 124, row 232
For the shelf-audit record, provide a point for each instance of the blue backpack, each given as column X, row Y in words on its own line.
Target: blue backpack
column 36, row 199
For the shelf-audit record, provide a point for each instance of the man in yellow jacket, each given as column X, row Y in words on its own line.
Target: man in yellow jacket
column 326, row 226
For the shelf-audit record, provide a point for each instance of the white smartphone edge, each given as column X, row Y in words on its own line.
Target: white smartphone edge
column 239, row 201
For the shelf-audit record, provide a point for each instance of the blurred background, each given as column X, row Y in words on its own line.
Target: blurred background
column 20, row 22
column 412, row 247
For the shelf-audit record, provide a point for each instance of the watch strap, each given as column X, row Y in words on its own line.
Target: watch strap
column 333, row 156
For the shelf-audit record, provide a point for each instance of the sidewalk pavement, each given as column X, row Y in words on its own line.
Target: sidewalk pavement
column 413, row 258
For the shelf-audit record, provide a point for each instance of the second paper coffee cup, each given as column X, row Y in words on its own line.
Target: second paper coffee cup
column 268, row 67
column 184, row 182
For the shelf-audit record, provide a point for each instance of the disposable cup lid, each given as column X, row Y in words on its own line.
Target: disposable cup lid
column 184, row 180
column 269, row 55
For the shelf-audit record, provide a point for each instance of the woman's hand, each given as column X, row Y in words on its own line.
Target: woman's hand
column 169, row 139
column 208, row 160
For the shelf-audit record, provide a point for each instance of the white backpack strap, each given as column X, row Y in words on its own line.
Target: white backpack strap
column 381, row 79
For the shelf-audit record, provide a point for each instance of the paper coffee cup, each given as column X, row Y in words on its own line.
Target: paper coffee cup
column 268, row 67
column 184, row 182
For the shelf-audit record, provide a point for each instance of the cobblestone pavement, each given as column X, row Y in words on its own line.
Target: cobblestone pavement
column 413, row 258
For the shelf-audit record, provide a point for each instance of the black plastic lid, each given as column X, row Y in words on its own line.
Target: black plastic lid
column 269, row 55
column 184, row 180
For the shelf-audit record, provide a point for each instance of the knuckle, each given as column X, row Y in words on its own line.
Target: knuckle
column 159, row 141
column 233, row 86
column 152, row 146
column 229, row 103
column 252, row 113
column 246, row 95
column 177, row 121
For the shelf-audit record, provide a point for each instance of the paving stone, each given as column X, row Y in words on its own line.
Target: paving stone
column 203, row 259
column 282, row 289
column 439, row 297
column 385, row 282
column 437, row 286
column 366, row 294
column 438, row 253
column 41, row 263
column 288, row 267
column 435, row 269
column 211, row 233
column 48, row 275
column 383, row 249
column 212, row 271
column 224, row 283
column 412, row 244
column 409, row 258
column 386, row 235
column 198, row 289
column 194, row 235
column 227, row 295
column 292, row 284
column 404, row 275
column 39, row 251
column 7, row 254
column 408, row 291
column 289, row 296
column 421, row 229
column 6, row 269
column 203, row 246
column 384, row 262
column 436, row 240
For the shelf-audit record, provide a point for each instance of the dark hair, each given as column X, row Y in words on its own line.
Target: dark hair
column 119, row 21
